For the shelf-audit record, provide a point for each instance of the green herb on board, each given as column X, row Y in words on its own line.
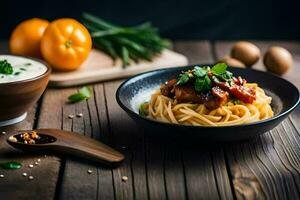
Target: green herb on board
column 83, row 94
column 141, row 42
column 6, row 67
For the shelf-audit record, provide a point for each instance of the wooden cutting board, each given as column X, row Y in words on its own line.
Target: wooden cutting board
column 100, row 67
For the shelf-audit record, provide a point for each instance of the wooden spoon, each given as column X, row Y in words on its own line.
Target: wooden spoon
column 66, row 142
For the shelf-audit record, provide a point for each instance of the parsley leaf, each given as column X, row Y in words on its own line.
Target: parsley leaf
column 200, row 71
column 84, row 94
column 219, row 69
column 6, row 67
column 227, row 76
column 203, row 84
column 183, row 79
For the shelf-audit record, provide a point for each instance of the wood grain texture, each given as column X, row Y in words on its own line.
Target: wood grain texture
column 267, row 167
column 75, row 182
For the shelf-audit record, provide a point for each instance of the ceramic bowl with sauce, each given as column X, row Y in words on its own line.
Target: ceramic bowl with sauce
column 21, row 89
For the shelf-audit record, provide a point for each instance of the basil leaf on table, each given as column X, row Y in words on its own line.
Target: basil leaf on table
column 84, row 94
column 11, row 165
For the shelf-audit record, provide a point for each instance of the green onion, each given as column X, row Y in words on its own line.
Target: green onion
column 130, row 44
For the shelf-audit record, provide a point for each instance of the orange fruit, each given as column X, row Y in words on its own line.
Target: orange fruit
column 66, row 44
column 26, row 37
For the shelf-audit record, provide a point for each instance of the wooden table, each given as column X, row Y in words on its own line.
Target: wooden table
column 265, row 167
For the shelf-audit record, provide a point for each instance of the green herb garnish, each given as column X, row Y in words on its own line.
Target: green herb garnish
column 143, row 109
column 202, row 85
column 183, row 79
column 219, row 69
column 6, row 67
column 135, row 43
column 200, row 71
column 83, row 94
column 200, row 79
column 11, row 165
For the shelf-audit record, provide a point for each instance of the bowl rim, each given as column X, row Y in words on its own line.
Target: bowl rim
column 278, row 116
column 47, row 72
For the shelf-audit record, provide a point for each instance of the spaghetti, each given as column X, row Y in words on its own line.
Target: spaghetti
column 233, row 112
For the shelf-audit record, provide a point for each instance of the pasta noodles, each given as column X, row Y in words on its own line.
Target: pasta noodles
column 169, row 110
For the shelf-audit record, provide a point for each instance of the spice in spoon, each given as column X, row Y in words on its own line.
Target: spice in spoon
column 32, row 137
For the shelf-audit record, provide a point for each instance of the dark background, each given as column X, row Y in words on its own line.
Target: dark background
column 184, row 19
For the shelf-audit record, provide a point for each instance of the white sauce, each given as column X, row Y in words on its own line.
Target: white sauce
column 24, row 68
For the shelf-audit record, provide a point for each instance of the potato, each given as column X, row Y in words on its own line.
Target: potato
column 232, row 62
column 245, row 52
column 278, row 60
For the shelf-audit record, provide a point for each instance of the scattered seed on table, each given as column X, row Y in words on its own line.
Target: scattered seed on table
column 45, row 156
column 3, row 132
column 31, row 165
column 1, row 175
column 71, row 116
column 39, row 160
column 124, row 178
column 24, row 174
column 30, row 177
column 12, row 139
column 36, row 163
column 89, row 171
column 79, row 115
column 123, row 147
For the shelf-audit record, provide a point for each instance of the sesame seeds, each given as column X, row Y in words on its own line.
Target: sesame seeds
column 12, row 139
column 79, row 115
column 71, row 116
column 30, row 177
column 3, row 133
column 1, row 175
column 30, row 166
column 124, row 178
column 89, row 171
column 24, row 174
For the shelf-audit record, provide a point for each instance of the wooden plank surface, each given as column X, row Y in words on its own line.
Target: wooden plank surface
column 265, row 167
column 268, row 166
column 14, row 185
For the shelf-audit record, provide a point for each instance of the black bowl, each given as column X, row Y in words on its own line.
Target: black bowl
column 138, row 89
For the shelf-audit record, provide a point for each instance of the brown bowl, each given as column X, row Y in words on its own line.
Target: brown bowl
column 18, row 96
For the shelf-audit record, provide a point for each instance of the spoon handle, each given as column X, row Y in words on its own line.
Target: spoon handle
column 71, row 143
column 82, row 146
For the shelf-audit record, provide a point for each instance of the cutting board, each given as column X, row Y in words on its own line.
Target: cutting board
column 100, row 67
